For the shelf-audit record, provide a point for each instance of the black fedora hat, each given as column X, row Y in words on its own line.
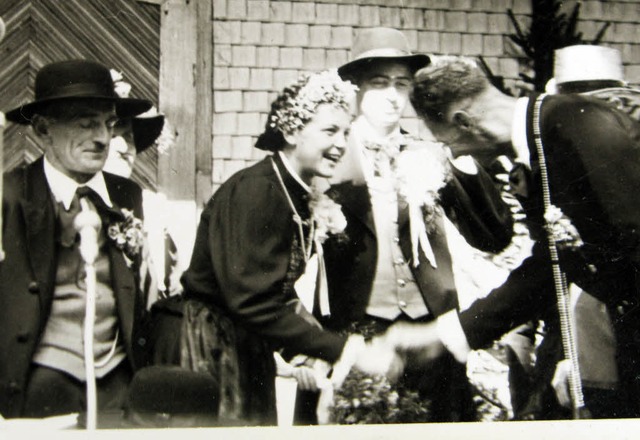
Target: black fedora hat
column 162, row 396
column 381, row 43
column 75, row 79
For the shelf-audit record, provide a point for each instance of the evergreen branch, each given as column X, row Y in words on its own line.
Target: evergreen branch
column 600, row 34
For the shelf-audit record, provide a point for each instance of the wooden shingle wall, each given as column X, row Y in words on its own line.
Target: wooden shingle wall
column 262, row 45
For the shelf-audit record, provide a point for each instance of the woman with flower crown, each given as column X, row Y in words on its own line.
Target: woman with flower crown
column 257, row 259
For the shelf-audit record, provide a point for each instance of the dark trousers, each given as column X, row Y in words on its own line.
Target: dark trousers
column 52, row 392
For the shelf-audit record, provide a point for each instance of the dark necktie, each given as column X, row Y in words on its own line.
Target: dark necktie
column 107, row 213
column 68, row 233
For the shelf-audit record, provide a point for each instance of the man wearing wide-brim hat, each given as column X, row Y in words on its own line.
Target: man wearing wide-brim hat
column 396, row 265
column 42, row 279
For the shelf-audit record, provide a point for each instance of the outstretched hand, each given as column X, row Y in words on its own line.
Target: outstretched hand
column 375, row 357
column 421, row 339
column 380, row 357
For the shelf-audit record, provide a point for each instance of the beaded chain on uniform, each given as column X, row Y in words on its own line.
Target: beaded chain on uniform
column 560, row 281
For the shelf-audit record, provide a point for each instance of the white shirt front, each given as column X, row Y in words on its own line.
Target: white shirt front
column 519, row 132
column 64, row 187
column 394, row 290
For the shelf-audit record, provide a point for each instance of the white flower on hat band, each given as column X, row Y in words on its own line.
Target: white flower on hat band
column 122, row 88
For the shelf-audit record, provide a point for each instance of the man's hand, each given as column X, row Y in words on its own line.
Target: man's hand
column 560, row 383
column 422, row 338
column 375, row 357
column 306, row 378
column 380, row 357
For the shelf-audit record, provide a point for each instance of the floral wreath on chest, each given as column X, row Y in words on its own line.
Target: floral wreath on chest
column 421, row 170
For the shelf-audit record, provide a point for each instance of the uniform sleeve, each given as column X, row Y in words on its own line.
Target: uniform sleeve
column 473, row 202
column 249, row 233
column 525, row 295
column 607, row 142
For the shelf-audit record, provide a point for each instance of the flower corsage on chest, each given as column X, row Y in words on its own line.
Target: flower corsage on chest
column 127, row 235
column 421, row 170
column 326, row 221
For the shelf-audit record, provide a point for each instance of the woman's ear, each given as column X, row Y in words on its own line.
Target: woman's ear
column 291, row 138
column 462, row 120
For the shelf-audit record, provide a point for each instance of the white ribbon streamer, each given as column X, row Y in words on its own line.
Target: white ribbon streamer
column 419, row 237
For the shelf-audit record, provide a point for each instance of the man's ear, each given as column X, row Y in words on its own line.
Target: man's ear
column 462, row 120
column 40, row 125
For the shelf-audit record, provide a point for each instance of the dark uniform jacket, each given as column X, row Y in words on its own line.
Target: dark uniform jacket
column 593, row 158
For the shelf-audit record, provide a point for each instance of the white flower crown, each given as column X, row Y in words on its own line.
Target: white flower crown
column 325, row 87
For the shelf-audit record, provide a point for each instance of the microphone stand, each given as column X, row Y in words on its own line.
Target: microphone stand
column 2, row 123
column 3, row 29
column 87, row 223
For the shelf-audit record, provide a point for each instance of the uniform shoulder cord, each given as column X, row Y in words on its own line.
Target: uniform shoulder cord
column 560, row 281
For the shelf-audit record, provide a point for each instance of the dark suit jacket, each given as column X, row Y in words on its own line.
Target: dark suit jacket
column 593, row 158
column 473, row 203
column 27, row 275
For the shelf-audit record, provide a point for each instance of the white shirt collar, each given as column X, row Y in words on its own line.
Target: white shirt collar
column 519, row 132
column 361, row 132
column 365, row 131
column 64, row 187
column 291, row 171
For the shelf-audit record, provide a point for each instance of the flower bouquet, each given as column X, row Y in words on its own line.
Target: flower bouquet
column 367, row 399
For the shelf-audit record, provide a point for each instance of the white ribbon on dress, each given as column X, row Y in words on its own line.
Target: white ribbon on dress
column 323, row 286
column 314, row 279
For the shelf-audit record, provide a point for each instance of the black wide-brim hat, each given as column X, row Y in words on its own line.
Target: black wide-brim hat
column 381, row 43
column 170, row 396
column 146, row 130
column 76, row 79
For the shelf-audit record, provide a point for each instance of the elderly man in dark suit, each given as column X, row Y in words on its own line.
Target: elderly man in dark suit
column 42, row 279
column 375, row 278
column 592, row 153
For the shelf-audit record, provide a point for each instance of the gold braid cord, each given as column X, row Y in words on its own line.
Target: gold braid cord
column 564, row 308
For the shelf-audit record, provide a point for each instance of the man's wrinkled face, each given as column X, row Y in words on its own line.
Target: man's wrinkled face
column 384, row 92
column 469, row 132
column 78, row 137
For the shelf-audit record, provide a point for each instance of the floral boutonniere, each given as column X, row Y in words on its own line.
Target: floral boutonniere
column 128, row 234
column 327, row 216
column 421, row 172
column 559, row 225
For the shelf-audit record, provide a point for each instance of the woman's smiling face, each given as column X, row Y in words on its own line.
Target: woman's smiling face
column 316, row 149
